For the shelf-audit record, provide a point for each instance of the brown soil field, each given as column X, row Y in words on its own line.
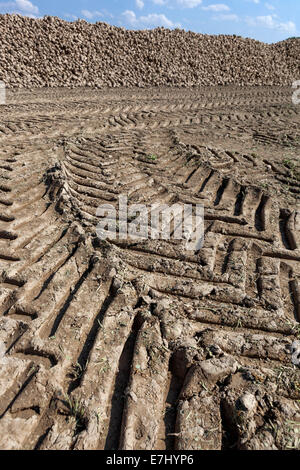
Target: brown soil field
column 143, row 345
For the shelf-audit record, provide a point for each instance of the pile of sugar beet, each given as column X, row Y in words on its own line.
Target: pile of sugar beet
column 51, row 52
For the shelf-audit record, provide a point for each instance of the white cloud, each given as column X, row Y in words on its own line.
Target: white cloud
column 225, row 17
column 216, row 7
column 271, row 22
column 130, row 16
column 70, row 16
column 140, row 4
column 289, row 27
column 20, row 6
column 91, row 14
column 182, row 3
column 269, row 6
column 151, row 20
column 189, row 3
column 26, row 6
column 160, row 2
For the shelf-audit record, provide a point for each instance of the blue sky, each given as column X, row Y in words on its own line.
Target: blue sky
column 269, row 21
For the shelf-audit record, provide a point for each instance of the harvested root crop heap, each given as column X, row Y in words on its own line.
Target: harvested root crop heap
column 52, row 52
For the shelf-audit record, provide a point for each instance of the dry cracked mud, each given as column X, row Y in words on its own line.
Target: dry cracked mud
column 143, row 345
